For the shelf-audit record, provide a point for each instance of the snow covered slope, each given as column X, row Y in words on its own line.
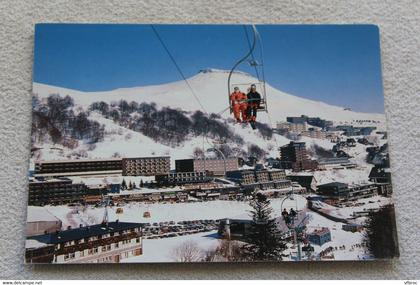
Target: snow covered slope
column 211, row 88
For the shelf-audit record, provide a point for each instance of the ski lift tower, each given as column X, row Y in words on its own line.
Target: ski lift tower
column 106, row 217
column 294, row 228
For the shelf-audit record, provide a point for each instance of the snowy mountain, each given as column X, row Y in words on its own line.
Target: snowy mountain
column 211, row 88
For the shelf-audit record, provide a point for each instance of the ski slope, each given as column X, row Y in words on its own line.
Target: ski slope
column 211, row 88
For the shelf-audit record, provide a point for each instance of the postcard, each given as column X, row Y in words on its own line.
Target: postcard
column 208, row 143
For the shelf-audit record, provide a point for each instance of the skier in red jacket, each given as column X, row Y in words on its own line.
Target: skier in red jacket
column 239, row 105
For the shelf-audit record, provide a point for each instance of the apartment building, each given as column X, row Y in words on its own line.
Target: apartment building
column 216, row 166
column 55, row 191
column 146, row 166
column 53, row 168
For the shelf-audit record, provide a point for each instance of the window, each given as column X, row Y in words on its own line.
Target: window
column 90, row 251
column 117, row 245
column 82, row 253
column 108, row 247
column 103, row 248
column 137, row 240
column 95, row 250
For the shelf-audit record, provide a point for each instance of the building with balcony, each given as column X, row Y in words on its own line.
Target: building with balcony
column 180, row 178
column 75, row 167
column 344, row 192
column 314, row 133
column 55, row 191
column 215, row 166
column 259, row 179
column 294, row 155
column 146, row 166
column 102, row 243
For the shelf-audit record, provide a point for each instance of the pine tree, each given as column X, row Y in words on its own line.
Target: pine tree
column 263, row 241
column 381, row 233
column 134, row 185
column 130, row 185
column 123, row 185
column 141, row 183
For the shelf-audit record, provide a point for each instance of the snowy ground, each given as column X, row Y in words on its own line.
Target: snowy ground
column 161, row 212
column 162, row 250
column 361, row 205
column 338, row 239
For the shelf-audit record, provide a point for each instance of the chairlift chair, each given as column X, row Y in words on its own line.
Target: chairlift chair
column 259, row 68
column 243, row 87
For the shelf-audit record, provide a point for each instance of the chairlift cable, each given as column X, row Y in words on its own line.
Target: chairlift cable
column 178, row 68
column 252, row 53
column 185, row 79
column 239, row 62
column 262, row 64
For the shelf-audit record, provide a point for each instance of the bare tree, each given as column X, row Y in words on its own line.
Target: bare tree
column 188, row 252
column 198, row 153
column 227, row 250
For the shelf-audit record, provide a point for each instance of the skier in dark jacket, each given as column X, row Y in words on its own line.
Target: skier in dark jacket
column 254, row 101
column 285, row 216
column 292, row 213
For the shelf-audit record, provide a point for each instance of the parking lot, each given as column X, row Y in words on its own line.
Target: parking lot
column 173, row 229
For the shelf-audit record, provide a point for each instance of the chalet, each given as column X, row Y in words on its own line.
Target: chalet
column 320, row 236
column 102, row 243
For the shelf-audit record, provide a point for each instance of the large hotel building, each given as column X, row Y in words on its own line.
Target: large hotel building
column 138, row 166
column 75, row 167
column 215, row 166
column 146, row 166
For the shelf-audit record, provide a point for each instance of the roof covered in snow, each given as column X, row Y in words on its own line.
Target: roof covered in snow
column 38, row 214
column 84, row 232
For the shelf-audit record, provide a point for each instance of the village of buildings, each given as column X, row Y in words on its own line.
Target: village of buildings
column 138, row 209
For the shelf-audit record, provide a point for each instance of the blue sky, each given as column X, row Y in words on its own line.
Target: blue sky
column 337, row 64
